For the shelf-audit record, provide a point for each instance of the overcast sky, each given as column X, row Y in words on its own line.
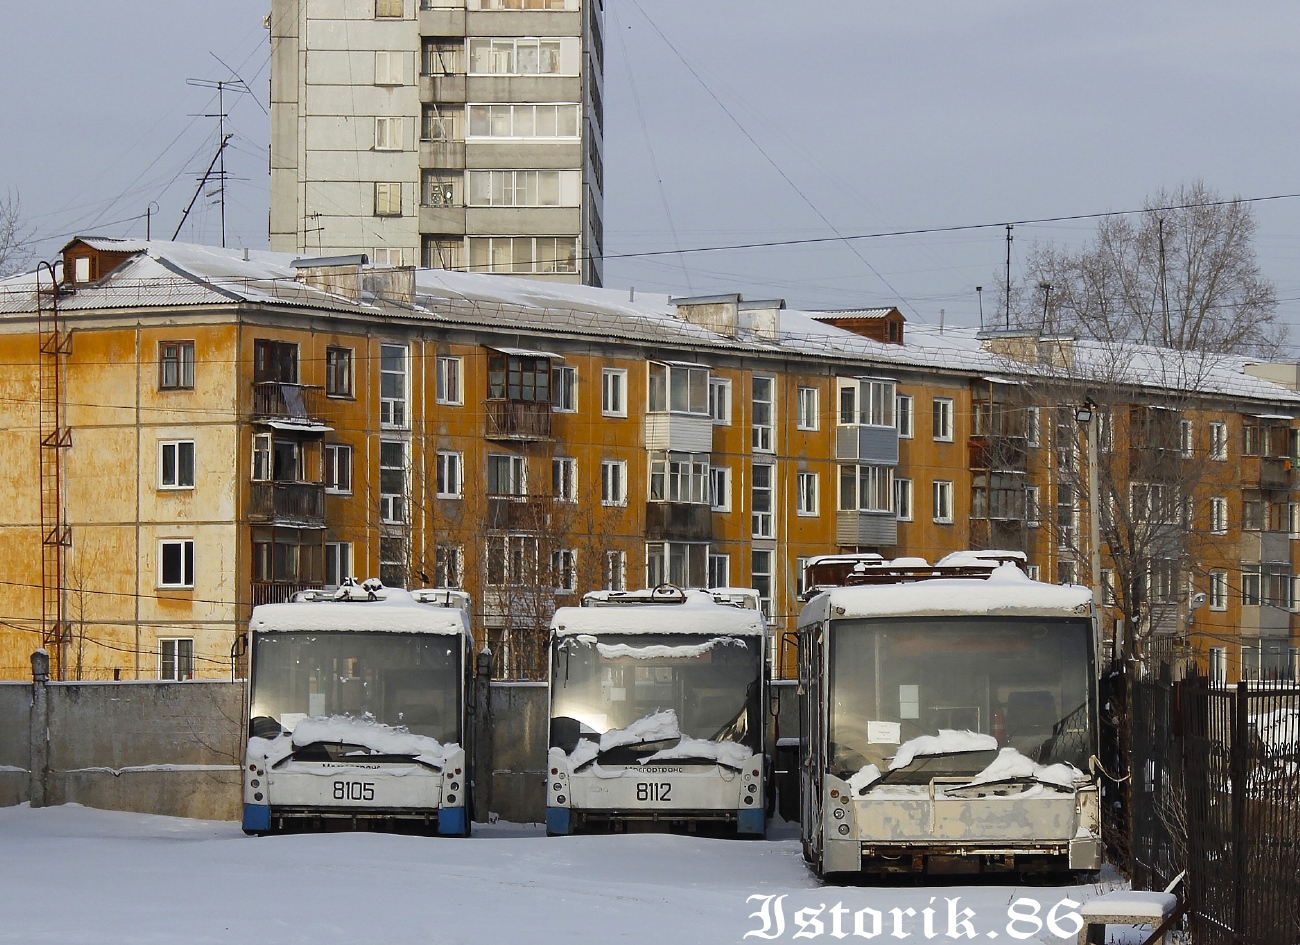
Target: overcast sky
column 740, row 121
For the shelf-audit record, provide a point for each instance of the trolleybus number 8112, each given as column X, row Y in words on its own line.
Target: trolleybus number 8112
column 653, row 791
column 354, row 790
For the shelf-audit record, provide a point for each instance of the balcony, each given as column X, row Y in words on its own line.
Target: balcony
column 518, row 420
column 443, row 88
column 1157, row 463
column 998, row 453
column 298, row 504
column 1267, row 473
column 519, row 513
column 678, row 432
column 678, row 521
column 872, row 529
column 290, row 406
column 278, row 592
column 876, row 446
column 996, row 533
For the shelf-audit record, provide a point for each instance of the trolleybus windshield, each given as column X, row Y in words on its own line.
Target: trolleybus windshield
column 710, row 683
column 1026, row 682
column 411, row 680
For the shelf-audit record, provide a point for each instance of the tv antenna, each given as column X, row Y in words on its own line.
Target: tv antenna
column 239, row 87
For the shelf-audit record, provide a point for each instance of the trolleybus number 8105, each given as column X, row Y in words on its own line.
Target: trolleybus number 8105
column 354, row 790
column 653, row 791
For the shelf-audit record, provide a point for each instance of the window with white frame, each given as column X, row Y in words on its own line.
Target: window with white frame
column 176, row 562
column 564, row 478
column 390, row 134
column 511, row 560
column 678, row 388
column 1187, row 436
column 338, row 562
column 564, row 389
column 1218, row 596
column 763, row 416
column 866, row 489
column 613, row 392
column 1293, row 519
column 615, row 571
column 392, row 386
column 523, row 55
column 720, row 400
column 1032, row 513
column 800, row 576
column 807, row 409
column 1251, row 586
column 390, row 68
column 613, row 482
column 388, row 199
column 760, row 578
column 763, row 500
column 1218, row 666
column 176, row 658
column 1108, row 596
column 338, row 468
column 720, row 488
column 903, row 499
column 564, row 570
column 448, row 566
column 1218, row 515
column 719, row 570
column 1218, row 440
column 176, row 464
column 942, row 416
column 451, row 384
column 388, row 256
column 507, row 475
column 510, row 4
column 392, row 481
column 523, row 254
column 903, row 411
column 524, row 188
column 806, row 494
column 685, row 564
column 1033, row 426
column 549, row 120
column 388, row 8
column 450, row 474
column 866, row 402
column 943, row 501
column 338, row 371
column 1032, row 572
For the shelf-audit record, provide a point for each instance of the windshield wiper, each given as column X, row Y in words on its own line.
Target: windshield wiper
column 320, row 751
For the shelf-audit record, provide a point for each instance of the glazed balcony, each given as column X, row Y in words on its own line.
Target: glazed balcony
column 678, row 521
column 518, row 420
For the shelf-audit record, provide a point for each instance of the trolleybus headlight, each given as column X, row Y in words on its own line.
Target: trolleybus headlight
column 451, row 798
column 257, row 796
column 749, row 800
column 839, row 813
column 560, row 798
column 559, row 787
column 455, row 786
column 753, row 788
column 844, row 828
column 255, row 783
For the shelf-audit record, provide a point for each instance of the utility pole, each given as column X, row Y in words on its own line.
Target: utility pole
column 1009, row 238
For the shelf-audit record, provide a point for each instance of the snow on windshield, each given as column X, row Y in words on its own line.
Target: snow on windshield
column 657, row 727
column 378, row 738
column 947, row 742
column 1011, row 765
column 659, row 651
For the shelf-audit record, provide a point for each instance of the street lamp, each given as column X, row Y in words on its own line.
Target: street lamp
column 1086, row 414
column 1083, row 414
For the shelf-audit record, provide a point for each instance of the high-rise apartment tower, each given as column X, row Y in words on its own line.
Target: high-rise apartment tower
column 457, row 134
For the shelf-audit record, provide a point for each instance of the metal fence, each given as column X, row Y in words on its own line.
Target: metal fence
column 1216, row 791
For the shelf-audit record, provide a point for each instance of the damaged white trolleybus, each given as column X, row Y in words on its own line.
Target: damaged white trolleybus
column 657, row 701
column 357, row 712
column 949, row 722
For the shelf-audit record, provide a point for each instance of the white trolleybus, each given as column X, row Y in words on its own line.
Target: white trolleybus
column 357, row 712
column 949, row 721
column 657, row 701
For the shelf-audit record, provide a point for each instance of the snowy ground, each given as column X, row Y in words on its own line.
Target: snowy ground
column 75, row 875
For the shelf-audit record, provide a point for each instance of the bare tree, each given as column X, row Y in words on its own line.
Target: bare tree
column 15, row 236
column 1182, row 274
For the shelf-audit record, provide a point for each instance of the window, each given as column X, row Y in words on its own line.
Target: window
column 678, row 388
column 176, row 365
column 523, row 121
column 1293, row 519
column 392, row 386
column 720, row 400
column 388, row 199
column 613, row 482
column 681, row 563
column 450, row 385
column 763, row 417
column 541, row 188
column 679, row 477
column 943, row 501
column 1250, row 438
column 390, row 68
column 176, row 659
column 1033, row 426
column 719, row 570
column 275, row 362
column 1066, row 572
column 1218, row 666
column 866, row 402
column 615, row 571
column 507, row 475
column 564, row 390
column 1218, row 590
column 176, row 464
column 1218, row 440
column 564, row 570
column 443, row 252
column 763, row 500
column 1108, row 596
column 720, row 488
column 564, row 478
column 389, row 134
column 1251, row 587
column 338, row 562
column 392, row 560
column 504, row 55
column 760, row 578
column 338, row 372
column 519, row 378
column 1032, row 513
column 1218, row 515
column 523, row 254
column 443, row 55
column 512, row 560
column 806, row 493
column 1252, row 514
column 613, row 392
column 903, row 410
column 338, row 468
column 448, row 566
column 450, row 474
column 943, row 419
column 441, row 123
column 1031, row 572
column 801, row 576
column 806, row 411
column 390, row 256
column 388, row 8
column 392, row 481
column 903, row 499
column 519, row 4
column 866, row 489
column 176, row 562
column 1187, row 437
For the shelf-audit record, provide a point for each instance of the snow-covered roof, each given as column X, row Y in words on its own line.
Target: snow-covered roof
column 395, row 612
column 698, row 614
column 1007, row 591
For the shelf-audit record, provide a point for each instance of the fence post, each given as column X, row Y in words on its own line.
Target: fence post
column 38, row 739
column 1240, row 767
column 484, row 756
